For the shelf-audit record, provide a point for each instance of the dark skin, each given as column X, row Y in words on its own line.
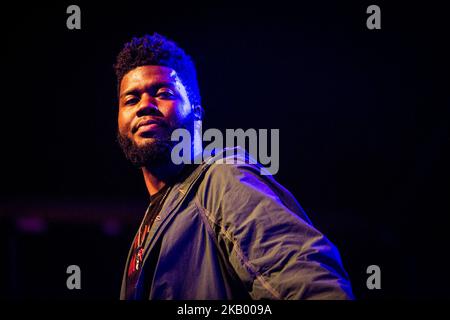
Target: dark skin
column 152, row 99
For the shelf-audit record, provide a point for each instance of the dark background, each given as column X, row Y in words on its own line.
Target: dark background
column 363, row 118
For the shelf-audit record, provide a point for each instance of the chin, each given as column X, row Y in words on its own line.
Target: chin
column 144, row 141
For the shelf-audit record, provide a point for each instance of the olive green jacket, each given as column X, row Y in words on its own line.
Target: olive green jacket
column 228, row 232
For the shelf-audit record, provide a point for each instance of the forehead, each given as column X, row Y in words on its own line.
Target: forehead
column 144, row 76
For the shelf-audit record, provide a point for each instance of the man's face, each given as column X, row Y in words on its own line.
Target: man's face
column 152, row 103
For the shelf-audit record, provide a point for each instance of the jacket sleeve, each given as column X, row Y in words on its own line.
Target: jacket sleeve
column 270, row 242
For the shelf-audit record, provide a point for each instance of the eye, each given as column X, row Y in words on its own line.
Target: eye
column 165, row 94
column 131, row 101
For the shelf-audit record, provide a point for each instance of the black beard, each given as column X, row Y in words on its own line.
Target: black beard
column 157, row 153
column 154, row 154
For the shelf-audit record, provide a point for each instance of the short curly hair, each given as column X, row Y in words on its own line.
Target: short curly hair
column 159, row 51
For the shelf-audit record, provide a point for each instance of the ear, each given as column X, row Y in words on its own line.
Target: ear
column 198, row 112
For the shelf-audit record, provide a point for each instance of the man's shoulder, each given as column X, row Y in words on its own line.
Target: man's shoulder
column 234, row 170
column 233, row 160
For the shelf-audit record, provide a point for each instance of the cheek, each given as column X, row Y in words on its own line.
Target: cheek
column 178, row 111
column 123, row 122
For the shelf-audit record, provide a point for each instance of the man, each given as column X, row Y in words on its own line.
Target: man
column 212, row 230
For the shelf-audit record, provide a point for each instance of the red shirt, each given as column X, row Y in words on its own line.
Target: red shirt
column 137, row 256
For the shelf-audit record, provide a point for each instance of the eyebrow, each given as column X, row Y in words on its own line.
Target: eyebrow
column 155, row 85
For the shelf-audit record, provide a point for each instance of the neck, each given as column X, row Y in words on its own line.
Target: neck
column 156, row 178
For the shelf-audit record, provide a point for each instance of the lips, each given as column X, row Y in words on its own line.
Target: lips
column 147, row 126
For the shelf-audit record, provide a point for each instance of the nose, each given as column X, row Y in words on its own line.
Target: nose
column 147, row 106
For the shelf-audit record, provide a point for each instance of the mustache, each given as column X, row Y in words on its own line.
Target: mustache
column 160, row 122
